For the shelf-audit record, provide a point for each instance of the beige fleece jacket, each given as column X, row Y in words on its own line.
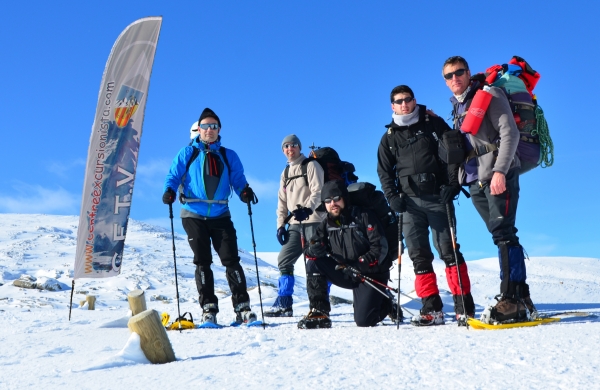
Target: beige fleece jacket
column 298, row 193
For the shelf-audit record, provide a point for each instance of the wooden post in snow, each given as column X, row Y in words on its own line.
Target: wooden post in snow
column 91, row 300
column 153, row 336
column 137, row 301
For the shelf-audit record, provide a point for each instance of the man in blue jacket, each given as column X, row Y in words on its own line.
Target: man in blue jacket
column 205, row 172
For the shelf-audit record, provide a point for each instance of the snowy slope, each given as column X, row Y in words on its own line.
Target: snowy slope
column 42, row 348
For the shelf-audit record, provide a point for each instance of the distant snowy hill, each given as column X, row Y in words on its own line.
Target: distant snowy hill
column 40, row 347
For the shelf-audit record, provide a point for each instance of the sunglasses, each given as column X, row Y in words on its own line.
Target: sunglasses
column 405, row 100
column 334, row 199
column 287, row 146
column 207, row 126
column 458, row 73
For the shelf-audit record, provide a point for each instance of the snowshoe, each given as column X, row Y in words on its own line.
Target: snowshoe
column 428, row 319
column 315, row 319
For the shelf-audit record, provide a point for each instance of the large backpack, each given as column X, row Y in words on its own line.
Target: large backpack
column 333, row 167
column 518, row 79
column 367, row 197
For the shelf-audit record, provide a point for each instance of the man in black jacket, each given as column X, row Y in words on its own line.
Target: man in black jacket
column 349, row 236
column 417, row 183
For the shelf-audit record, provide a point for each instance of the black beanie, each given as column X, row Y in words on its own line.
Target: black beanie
column 208, row 113
column 334, row 188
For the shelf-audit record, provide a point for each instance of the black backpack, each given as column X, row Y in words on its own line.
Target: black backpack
column 367, row 197
column 333, row 167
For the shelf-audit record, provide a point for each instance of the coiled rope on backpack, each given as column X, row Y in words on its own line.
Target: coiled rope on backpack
column 543, row 133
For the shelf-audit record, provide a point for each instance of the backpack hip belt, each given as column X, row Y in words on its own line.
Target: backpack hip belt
column 481, row 150
column 185, row 200
column 524, row 138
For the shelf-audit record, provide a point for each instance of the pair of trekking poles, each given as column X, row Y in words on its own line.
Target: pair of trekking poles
column 253, row 201
column 452, row 225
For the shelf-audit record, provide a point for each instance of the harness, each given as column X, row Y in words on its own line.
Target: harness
column 194, row 156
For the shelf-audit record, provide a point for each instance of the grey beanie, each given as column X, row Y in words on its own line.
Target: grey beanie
column 291, row 139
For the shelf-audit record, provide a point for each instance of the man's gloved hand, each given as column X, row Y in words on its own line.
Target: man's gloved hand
column 316, row 249
column 399, row 204
column 449, row 192
column 169, row 196
column 366, row 262
column 247, row 195
column 302, row 213
column 347, row 271
column 283, row 236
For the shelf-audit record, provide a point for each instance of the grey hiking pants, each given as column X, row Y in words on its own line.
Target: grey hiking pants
column 293, row 249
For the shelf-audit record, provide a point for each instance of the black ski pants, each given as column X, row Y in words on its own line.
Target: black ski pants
column 370, row 306
column 424, row 213
column 499, row 212
column 224, row 240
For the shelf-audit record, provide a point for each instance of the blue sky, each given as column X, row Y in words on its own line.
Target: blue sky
column 320, row 69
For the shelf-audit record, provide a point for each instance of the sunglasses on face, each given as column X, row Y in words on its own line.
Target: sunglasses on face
column 207, row 126
column 458, row 73
column 405, row 100
column 334, row 199
column 287, row 146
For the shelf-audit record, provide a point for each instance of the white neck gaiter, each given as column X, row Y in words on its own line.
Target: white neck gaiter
column 408, row 119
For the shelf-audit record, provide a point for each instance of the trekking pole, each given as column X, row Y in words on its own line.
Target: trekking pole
column 175, row 265
column 363, row 279
column 400, row 221
column 359, row 275
column 451, row 222
column 255, row 201
column 303, row 242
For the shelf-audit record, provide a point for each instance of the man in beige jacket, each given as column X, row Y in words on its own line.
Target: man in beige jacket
column 298, row 197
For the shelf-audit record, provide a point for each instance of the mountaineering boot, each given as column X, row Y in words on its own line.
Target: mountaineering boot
column 315, row 319
column 243, row 314
column 282, row 307
column 460, row 313
column 209, row 314
column 428, row 319
column 506, row 310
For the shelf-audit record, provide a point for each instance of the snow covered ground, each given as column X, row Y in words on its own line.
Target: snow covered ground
column 41, row 348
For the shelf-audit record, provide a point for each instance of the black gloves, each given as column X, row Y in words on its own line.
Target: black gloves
column 283, row 236
column 366, row 262
column 399, row 204
column 169, row 196
column 449, row 192
column 316, row 249
column 247, row 195
column 302, row 213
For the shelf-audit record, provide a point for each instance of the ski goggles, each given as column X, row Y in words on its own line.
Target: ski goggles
column 207, row 126
column 287, row 146
column 405, row 100
column 334, row 199
column 458, row 73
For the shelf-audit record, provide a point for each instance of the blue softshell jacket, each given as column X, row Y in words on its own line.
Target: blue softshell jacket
column 193, row 186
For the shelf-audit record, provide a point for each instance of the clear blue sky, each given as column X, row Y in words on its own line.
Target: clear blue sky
column 320, row 69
